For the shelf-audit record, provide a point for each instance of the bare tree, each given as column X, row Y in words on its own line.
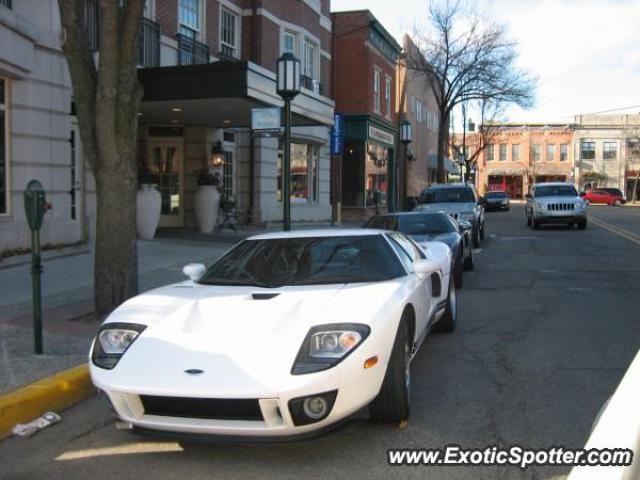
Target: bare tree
column 490, row 112
column 107, row 96
column 468, row 58
column 633, row 157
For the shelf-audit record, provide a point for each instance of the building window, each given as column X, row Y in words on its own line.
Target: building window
column 610, row 150
column 310, row 60
column 490, row 152
column 564, row 152
column 304, row 172
column 503, row 152
column 228, row 34
column 515, row 152
column 189, row 17
column 4, row 189
column 387, row 96
column 227, row 175
column 536, row 152
column 6, row 3
column 551, row 152
column 588, row 150
column 376, row 91
column 290, row 43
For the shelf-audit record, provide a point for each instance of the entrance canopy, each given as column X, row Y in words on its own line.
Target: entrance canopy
column 221, row 95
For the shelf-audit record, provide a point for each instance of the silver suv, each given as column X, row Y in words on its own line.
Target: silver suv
column 459, row 200
column 555, row 202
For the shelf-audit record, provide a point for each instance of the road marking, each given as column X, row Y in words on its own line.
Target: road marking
column 520, row 238
column 616, row 230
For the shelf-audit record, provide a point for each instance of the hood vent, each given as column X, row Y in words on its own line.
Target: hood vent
column 264, row 296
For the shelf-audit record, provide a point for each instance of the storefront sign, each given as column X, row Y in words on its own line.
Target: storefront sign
column 337, row 134
column 264, row 120
column 506, row 171
column 381, row 136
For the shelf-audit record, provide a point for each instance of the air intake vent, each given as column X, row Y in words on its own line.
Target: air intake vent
column 264, row 296
column 206, row 408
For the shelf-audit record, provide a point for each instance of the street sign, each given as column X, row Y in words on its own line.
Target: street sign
column 337, row 134
column 266, row 121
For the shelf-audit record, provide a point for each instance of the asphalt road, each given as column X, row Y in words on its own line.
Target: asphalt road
column 548, row 324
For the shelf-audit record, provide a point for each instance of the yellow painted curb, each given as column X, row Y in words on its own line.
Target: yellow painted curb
column 49, row 394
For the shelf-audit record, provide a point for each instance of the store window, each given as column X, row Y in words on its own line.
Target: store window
column 376, row 174
column 304, row 172
column 4, row 190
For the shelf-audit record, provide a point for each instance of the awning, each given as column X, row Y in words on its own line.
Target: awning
column 222, row 94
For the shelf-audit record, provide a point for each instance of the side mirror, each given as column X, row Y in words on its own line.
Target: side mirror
column 425, row 266
column 464, row 225
column 194, row 271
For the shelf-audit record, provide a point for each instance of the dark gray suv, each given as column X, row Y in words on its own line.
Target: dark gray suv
column 459, row 200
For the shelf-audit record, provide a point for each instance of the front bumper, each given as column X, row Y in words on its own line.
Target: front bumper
column 572, row 216
column 355, row 386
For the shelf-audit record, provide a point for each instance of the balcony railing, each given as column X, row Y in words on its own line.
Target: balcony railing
column 190, row 51
column 225, row 56
column 6, row 3
column 149, row 44
column 311, row 84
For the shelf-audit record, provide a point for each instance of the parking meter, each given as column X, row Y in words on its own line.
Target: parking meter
column 35, row 205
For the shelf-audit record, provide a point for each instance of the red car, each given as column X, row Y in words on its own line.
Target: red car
column 603, row 196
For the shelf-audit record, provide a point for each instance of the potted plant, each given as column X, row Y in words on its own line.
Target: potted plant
column 148, row 204
column 207, row 200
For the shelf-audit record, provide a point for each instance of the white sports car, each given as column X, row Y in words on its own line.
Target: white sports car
column 285, row 334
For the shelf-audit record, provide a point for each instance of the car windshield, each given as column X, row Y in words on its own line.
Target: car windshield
column 415, row 224
column 278, row 262
column 447, row 195
column 556, row 191
column 495, row 195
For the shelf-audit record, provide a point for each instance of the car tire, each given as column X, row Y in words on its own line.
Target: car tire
column 447, row 323
column 616, row 203
column 469, row 262
column 457, row 270
column 393, row 401
column 528, row 220
column 476, row 237
column 582, row 225
column 482, row 232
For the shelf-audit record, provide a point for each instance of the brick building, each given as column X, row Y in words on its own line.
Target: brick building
column 517, row 155
column 417, row 105
column 365, row 58
column 204, row 65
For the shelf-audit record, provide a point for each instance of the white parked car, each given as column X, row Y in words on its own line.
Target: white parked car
column 287, row 333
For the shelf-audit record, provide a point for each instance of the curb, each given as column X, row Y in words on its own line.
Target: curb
column 53, row 393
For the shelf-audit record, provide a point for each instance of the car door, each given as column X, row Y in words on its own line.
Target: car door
column 420, row 285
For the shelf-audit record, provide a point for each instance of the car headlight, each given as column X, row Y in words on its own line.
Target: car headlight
column 468, row 216
column 581, row 204
column 540, row 206
column 112, row 342
column 327, row 345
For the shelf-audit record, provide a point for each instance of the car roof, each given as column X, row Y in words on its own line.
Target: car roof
column 553, row 184
column 438, row 186
column 406, row 214
column 318, row 232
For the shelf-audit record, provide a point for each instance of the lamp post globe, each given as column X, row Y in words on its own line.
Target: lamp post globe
column 406, row 132
column 287, row 86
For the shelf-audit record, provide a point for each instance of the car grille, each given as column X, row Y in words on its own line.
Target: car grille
column 205, row 408
column 560, row 206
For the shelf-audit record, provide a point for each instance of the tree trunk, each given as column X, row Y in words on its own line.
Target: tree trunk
column 115, row 276
column 635, row 186
column 442, row 142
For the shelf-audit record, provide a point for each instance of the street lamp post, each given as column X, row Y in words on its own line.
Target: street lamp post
column 406, row 136
column 288, row 86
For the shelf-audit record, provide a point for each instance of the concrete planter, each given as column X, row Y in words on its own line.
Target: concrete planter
column 207, row 204
column 148, row 206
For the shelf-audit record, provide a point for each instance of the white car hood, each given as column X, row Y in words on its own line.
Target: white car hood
column 232, row 337
column 453, row 207
column 557, row 199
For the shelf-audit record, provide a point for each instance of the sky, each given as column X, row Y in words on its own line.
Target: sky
column 585, row 53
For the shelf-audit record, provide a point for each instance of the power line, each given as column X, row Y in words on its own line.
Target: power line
column 613, row 110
